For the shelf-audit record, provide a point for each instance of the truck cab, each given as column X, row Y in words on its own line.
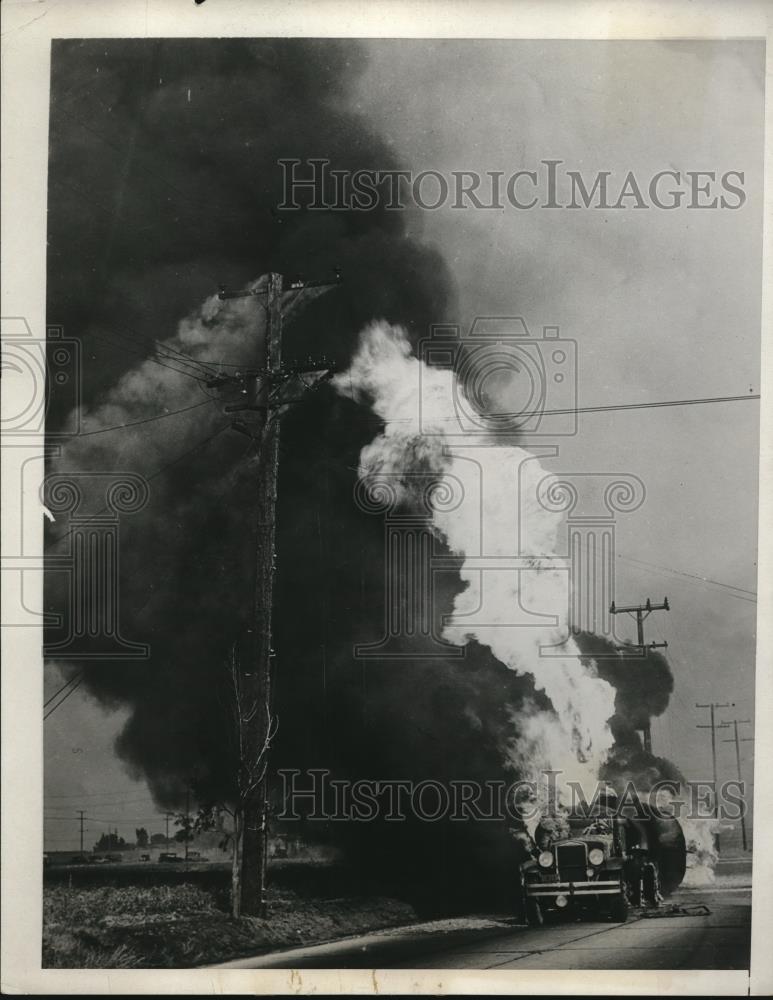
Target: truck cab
column 582, row 874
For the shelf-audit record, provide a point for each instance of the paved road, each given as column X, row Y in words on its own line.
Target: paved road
column 717, row 940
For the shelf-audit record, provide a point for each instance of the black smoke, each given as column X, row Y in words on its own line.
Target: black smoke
column 163, row 183
column 643, row 685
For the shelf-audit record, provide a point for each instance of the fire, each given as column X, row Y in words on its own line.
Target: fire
column 416, row 403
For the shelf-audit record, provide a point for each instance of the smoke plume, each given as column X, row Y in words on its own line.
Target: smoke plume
column 164, row 183
column 574, row 737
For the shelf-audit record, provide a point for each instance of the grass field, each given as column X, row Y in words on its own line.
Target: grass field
column 184, row 925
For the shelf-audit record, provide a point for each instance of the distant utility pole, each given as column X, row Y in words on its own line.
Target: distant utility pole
column 81, row 813
column 735, row 739
column 642, row 612
column 265, row 392
column 167, row 817
column 713, row 726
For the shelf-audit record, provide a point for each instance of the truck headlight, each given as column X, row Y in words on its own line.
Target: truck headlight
column 545, row 859
column 596, row 856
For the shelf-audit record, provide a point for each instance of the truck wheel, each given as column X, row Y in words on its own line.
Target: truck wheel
column 534, row 915
column 618, row 912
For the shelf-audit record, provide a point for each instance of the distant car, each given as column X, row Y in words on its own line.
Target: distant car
column 114, row 858
column 80, row 859
column 170, row 858
column 144, row 857
column 196, row 856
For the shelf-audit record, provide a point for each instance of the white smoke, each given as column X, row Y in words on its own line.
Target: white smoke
column 420, row 437
column 219, row 338
column 172, row 379
column 701, row 839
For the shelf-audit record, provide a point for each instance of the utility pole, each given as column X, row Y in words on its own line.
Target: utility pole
column 264, row 394
column 642, row 612
column 81, row 813
column 713, row 726
column 167, row 817
column 735, row 739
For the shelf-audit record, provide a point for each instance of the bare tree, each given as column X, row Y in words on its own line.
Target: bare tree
column 252, row 763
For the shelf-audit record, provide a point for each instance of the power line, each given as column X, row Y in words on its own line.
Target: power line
column 602, row 408
column 645, row 406
column 60, row 703
column 91, row 795
column 186, row 454
column 124, row 820
column 202, row 370
column 172, row 353
column 203, row 373
column 692, row 576
column 63, row 811
column 181, row 357
column 147, row 420
column 138, row 352
column 133, row 337
column 56, row 693
column 201, row 444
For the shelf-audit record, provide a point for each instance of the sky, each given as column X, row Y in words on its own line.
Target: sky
column 662, row 305
column 82, row 772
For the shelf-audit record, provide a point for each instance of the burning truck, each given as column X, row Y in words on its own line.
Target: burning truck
column 600, row 865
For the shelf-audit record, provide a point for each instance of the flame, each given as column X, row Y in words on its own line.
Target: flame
column 416, row 403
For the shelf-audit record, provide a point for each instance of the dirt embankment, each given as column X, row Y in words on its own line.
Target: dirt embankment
column 178, row 926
